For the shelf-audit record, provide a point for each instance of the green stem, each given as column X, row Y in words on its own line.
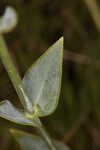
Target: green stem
column 13, row 74
column 17, row 83
column 47, row 137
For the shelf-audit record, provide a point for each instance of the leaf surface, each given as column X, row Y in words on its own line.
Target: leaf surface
column 31, row 142
column 42, row 81
column 9, row 112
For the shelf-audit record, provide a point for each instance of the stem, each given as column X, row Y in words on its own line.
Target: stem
column 47, row 137
column 95, row 12
column 17, row 83
column 13, row 74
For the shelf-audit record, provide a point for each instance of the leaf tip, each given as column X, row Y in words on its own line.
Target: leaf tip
column 61, row 40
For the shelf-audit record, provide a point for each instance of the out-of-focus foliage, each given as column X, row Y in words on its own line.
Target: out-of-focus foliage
column 77, row 119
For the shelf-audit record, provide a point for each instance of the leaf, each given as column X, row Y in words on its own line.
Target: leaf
column 9, row 112
column 8, row 21
column 42, row 81
column 31, row 142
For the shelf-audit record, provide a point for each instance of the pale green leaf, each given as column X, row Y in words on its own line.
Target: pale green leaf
column 42, row 81
column 31, row 142
column 9, row 112
column 8, row 21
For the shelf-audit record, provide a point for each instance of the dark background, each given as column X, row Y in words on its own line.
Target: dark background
column 76, row 121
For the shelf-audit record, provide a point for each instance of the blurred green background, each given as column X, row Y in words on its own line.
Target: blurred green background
column 76, row 121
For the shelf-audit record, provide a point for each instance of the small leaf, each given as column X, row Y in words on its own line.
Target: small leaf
column 31, row 142
column 8, row 21
column 9, row 112
column 43, row 80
